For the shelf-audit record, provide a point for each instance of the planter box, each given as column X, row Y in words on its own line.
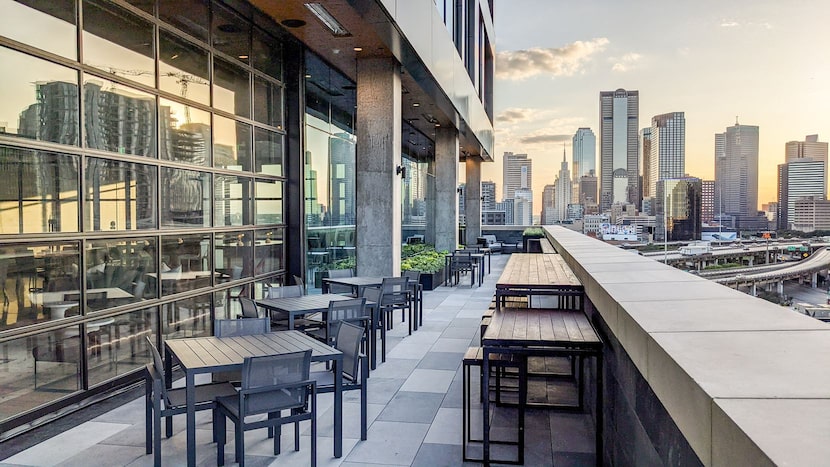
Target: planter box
column 433, row 280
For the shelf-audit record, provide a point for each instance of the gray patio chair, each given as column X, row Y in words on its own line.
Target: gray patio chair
column 352, row 311
column 279, row 320
column 249, row 308
column 164, row 402
column 417, row 294
column 270, row 384
column 237, row 327
column 372, row 294
column 337, row 288
column 347, row 339
column 396, row 295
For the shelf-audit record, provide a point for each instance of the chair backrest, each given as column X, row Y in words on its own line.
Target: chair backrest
column 372, row 294
column 340, row 273
column 394, row 290
column 347, row 340
column 236, row 273
column 158, row 367
column 285, row 291
column 138, row 289
column 240, row 327
column 414, row 276
column 353, row 311
column 284, row 373
column 249, row 308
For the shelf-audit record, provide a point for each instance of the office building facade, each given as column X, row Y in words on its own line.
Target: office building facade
column 619, row 163
column 584, row 157
column 517, row 173
column 679, row 199
column 736, row 173
column 667, row 150
column 707, row 201
column 800, row 178
column 645, row 156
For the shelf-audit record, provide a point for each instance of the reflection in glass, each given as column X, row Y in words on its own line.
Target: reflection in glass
column 267, row 102
column 119, row 195
column 190, row 16
column 190, row 317
column 39, row 192
column 185, row 264
column 183, row 68
column 231, row 198
column 231, row 88
column 118, row 42
column 268, row 152
column 35, row 277
column 267, row 56
column 268, row 252
column 117, row 345
column 185, row 133
column 185, row 198
column 233, row 255
column 231, row 144
column 40, row 99
column 119, row 119
column 46, row 25
column 268, row 202
column 118, row 270
column 231, row 33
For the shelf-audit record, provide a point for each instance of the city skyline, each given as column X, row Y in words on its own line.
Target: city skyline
column 552, row 66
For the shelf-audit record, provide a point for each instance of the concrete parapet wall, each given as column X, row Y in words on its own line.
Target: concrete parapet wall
column 744, row 381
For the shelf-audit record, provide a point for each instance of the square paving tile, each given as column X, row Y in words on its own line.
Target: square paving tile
column 414, row 407
column 390, row 443
column 437, row 381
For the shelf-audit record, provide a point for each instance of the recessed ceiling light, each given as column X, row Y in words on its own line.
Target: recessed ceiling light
column 416, row 104
column 358, row 49
column 327, row 19
column 293, row 23
column 437, row 125
column 243, row 57
column 307, row 76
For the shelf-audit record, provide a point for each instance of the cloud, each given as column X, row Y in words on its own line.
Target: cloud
column 626, row 62
column 514, row 115
column 729, row 24
column 557, row 61
column 539, row 139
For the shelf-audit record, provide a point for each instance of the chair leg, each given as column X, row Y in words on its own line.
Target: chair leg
column 364, row 381
column 240, row 443
column 219, row 427
column 296, row 431
column 313, row 426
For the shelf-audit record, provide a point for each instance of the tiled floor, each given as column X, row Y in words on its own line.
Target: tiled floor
column 415, row 402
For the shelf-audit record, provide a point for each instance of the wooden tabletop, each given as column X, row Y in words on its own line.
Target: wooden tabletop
column 537, row 270
column 540, row 327
column 208, row 354
column 304, row 304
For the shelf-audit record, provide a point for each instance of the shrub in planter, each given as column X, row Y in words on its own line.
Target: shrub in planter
column 426, row 260
column 532, row 233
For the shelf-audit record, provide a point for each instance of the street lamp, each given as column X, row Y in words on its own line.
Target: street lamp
column 666, row 228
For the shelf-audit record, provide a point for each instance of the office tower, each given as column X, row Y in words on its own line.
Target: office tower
column 563, row 191
column 588, row 189
column 799, row 179
column 523, row 207
column 488, row 195
column 679, row 202
column 707, row 201
column 506, row 207
column 619, row 164
column 548, row 204
column 667, row 149
column 811, row 214
column 736, row 173
column 518, row 173
column 810, row 148
column 645, row 154
column 584, row 156
column 461, row 203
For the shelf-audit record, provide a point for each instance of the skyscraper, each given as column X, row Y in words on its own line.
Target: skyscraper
column 645, row 154
column 488, row 195
column 563, row 191
column 518, row 173
column 619, row 165
column 667, row 149
column 584, row 156
column 707, row 200
column 736, row 172
column 810, row 148
column 678, row 201
column 548, row 204
column 800, row 178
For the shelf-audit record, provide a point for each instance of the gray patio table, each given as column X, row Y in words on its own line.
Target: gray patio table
column 212, row 354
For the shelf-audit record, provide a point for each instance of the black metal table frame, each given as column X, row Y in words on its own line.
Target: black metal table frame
column 561, row 291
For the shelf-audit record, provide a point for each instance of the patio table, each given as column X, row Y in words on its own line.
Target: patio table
column 217, row 354
column 528, row 274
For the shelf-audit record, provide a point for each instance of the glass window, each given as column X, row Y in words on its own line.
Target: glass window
column 231, row 144
column 117, row 345
column 119, row 119
column 118, row 42
column 40, row 99
column 268, row 202
column 267, row 56
column 183, row 68
column 267, row 102
column 190, row 16
column 47, row 25
column 185, row 264
column 190, row 317
column 118, row 271
column 233, row 255
column 185, row 198
column 185, row 133
column 39, row 192
column 145, row 5
column 119, row 195
column 231, row 33
column 268, row 252
column 231, row 88
column 35, row 277
column 268, row 152
column 232, row 197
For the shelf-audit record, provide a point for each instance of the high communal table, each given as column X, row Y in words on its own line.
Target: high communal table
column 540, row 332
column 533, row 274
column 217, row 354
column 309, row 304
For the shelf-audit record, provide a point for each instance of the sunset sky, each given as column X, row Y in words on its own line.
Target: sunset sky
column 764, row 61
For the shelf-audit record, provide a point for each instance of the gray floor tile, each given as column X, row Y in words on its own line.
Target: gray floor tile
column 436, row 381
column 446, row 428
column 390, row 443
column 103, row 455
column 441, row 361
column 414, row 407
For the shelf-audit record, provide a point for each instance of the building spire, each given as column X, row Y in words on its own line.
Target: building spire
column 564, row 159
column 736, row 121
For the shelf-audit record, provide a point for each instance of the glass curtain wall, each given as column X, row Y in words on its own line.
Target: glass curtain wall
column 416, row 153
column 329, row 169
column 141, row 158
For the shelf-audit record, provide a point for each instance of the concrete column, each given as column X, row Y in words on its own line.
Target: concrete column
column 472, row 201
column 781, row 288
column 753, row 290
column 378, row 186
column 814, row 280
column 445, row 227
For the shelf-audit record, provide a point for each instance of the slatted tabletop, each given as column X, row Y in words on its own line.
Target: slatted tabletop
column 537, row 270
column 356, row 281
column 529, row 327
column 301, row 305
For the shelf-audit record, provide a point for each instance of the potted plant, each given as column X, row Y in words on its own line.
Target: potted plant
column 426, row 260
column 530, row 238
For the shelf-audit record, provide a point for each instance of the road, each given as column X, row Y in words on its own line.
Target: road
column 803, row 293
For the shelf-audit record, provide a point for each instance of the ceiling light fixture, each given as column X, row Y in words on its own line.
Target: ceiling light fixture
column 416, row 104
column 358, row 49
column 327, row 19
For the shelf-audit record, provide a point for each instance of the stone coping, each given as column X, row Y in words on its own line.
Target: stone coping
column 745, row 380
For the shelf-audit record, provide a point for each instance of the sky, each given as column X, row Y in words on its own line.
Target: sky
column 764, row 62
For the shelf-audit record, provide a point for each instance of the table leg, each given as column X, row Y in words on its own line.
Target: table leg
column 338, row 407
column 190, row 392
column 599, row 420
column 373, row 340
column 290, row 320
column 485, row 388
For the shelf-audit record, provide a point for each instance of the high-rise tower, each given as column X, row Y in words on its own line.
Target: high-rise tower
column 518, row 173
column 667, row 157
column 736, row 171
column 584, row 156
column 619, row 165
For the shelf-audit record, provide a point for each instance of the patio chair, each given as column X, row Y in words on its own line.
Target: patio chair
column 337, row 288
column 462, row 262
column 352, row 311
column 174, row 402
column 237, row 327
column 395, row 295
column 249, row 308
column 270, row 384
column 299, row 281
column 347, row 339
column 417, row 294
column 372, row 294
column 279, row 320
